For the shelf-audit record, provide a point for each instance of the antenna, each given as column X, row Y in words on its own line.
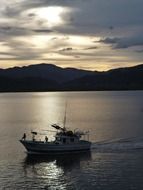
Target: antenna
column 65, row 116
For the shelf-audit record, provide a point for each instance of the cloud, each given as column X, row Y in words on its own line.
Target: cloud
column 43, row 31
column 84, row 17
column 8, row 30
column 139, row 51
column 110, row 40
column 91, row 48
column 66, row 49
column 11, row 11
column 31, row 15
column 27, row 36
column 124, row 42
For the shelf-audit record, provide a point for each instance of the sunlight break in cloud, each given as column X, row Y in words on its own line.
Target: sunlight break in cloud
column 51, row 15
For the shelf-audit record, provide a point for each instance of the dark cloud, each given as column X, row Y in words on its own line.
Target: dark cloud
column 77, row 56
column 139, row 51
column 110, row 40
column 66, row 49
column 86, row 17
column 5, row 28
column 91, row 48
column 111, row 27
column 6, row 53
column 11, row 29
column 124, row 42
column 54, row 38
column 43, row 31
column 31, row 15
column 11, row 11
column 9, row 32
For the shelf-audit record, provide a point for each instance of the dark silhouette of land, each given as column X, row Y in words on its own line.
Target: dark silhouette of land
column 48, row 77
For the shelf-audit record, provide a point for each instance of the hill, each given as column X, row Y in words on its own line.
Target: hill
column 45, row 71
column 130, row 78
column 48, row 77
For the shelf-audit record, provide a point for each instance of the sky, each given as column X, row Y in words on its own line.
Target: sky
column 86, row 34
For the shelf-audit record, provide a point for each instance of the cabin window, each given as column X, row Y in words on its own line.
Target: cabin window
column 58, row 138
column 72, row 139
column 64, row 140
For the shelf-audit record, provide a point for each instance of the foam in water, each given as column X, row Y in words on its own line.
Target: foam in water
column 131, row 143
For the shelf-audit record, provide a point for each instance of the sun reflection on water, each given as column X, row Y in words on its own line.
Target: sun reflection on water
column 52, row 175
column 54, row 172
column 48, row 174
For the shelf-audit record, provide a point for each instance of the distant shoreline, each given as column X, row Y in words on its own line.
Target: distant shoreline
column 2, row 92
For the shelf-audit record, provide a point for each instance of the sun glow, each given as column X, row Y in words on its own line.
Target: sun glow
column 82, row 40
column 51, row 14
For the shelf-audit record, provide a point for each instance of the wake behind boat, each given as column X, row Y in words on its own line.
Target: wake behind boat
column 65, row 141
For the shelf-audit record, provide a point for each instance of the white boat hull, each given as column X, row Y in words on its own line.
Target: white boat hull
column 39, row 147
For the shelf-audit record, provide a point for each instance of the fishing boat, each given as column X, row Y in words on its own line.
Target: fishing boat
column 64, row 141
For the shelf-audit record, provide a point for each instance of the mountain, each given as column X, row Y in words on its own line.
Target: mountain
column 48, row 77
column 45, row 71
column 130, row 78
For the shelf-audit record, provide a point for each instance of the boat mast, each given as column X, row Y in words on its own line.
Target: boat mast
column 65, row 116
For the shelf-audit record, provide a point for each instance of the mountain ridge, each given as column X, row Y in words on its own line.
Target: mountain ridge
column 49, row 77
column 44, row 70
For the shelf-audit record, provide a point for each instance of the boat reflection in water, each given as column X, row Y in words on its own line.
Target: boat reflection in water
column 64, row 161
column 55, row 171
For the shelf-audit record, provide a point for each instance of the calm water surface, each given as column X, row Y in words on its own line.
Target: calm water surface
column 115, row 122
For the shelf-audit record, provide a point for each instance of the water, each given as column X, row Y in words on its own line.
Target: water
column 115, row 122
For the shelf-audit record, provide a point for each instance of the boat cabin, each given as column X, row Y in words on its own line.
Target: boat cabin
column 66, row 138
